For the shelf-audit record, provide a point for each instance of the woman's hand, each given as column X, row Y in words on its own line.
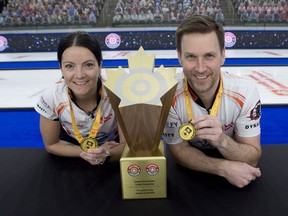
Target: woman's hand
column 99, row 155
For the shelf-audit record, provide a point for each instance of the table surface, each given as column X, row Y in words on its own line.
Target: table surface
column 36, row 183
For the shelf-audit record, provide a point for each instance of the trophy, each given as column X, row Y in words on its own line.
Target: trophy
column 141, row 99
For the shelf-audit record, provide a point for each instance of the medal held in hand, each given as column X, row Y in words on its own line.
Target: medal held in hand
column 187, row 131
column 88, row 143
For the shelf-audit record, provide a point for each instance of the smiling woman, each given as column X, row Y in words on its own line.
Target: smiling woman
column 72, row 109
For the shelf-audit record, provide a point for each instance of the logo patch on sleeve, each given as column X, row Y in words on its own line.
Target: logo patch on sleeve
column 255, row 113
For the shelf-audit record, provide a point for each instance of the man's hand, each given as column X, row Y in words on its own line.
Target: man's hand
column 209, row 128
column 240, row 174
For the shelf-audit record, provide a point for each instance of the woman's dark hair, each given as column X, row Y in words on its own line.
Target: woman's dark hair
column 81, row 39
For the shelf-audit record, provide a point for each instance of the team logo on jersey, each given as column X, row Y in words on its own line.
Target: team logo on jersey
column 230, row 39
column 134, row 170
column 255, row 113
column 152, row 169
column 3, row 43
column 112, row 40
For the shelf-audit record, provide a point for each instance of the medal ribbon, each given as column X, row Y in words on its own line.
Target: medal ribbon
column 216, row 104
column 95, row 126
column 187, row 101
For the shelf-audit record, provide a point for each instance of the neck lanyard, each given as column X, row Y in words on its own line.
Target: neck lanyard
column 95, row 126
column 216, row 104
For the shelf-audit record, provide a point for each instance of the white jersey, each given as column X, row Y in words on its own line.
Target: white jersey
column 54, row 104
column 239, row 111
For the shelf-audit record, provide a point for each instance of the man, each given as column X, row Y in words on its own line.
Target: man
column 223, row 110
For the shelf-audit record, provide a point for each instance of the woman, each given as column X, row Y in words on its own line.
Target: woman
column 76, row 117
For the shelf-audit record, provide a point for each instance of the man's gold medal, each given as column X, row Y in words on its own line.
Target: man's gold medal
column 187, row 131
column 88, row 143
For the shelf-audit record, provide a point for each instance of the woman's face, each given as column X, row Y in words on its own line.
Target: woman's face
column 80, row 70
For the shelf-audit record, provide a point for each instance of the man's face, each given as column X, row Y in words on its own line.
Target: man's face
column 201, row 59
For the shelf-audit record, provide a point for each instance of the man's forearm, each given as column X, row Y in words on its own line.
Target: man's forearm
column 236, row 151
column 195, row 159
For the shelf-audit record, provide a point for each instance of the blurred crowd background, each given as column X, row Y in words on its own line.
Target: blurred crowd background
column 25, row 14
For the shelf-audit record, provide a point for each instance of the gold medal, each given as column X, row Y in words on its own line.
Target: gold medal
column 187, row 131
column 88, row 143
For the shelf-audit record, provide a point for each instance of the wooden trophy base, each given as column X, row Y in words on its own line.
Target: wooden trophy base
column 143, row 177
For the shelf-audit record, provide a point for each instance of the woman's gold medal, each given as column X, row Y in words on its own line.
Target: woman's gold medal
column 88, row 143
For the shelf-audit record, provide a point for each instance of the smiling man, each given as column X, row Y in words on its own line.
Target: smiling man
column 214, row 122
